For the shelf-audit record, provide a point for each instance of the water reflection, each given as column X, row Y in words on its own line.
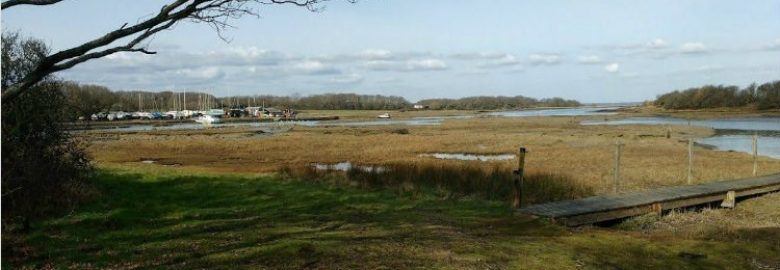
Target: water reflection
column 731, row 134
column 767, row 146
column 744, row 123
column 469, row 157
column 559, row 112
column 347, row 166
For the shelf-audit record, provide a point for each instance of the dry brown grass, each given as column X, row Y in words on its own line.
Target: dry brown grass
column 755, row 219
column 557, row 145
column 703, row 113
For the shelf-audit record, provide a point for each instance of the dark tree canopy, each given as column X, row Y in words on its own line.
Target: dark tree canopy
column 42, row 165
column 765, row 96
column 496, row 103
column 130, row 37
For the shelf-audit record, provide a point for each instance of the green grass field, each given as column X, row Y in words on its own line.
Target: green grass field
column 169, row 218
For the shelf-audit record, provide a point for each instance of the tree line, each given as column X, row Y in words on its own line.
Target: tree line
column 496, row 103
column 338, row 101
column 763, row 97
column 84, row 100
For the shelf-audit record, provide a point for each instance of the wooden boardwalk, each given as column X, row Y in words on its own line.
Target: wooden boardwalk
column 611, row 207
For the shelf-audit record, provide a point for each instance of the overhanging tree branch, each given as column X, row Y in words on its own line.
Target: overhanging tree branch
column 11, row 3
column 215, row 13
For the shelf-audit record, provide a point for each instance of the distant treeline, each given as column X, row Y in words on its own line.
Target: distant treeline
column 322, row 102
column 495, row 103
column 762, row 97
column 84, row 100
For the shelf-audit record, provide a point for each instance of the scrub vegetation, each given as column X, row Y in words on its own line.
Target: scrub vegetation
column 763, row 97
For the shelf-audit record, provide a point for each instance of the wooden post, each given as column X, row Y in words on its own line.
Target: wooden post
column 690, row 161
column 755, row 154
column 730, row 201
column 616, row 182
column 669, row 132
column 517, row 200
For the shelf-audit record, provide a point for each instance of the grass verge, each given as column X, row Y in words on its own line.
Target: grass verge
column 168, row 219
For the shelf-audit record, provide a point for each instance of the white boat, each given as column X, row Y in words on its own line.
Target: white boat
column 216, row 112
column 383, row 116
column 207, row 119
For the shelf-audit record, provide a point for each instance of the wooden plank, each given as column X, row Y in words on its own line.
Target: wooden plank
column 608, row 207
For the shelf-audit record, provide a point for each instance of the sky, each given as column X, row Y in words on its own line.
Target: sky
column 592, row 51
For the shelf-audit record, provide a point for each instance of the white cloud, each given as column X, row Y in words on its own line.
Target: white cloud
column 693, row 47
column 426, row 64
column 311, row 67
column 479, row 56
column 612, row 67
column 380, row 65
column 544, row 59
column 656, row 44
column 376, row 54
column 775, row 45
column 202, row 73
column 504, row 61
column 589, row 59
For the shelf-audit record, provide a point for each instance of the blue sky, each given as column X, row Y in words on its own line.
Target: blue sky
column 593, row 51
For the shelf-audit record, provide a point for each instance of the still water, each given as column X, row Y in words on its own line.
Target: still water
column 469, row 157
column 732, row 134
column 558, row 112
column 743, row 123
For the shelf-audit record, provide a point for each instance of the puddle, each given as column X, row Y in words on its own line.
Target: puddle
column 346, row 166
column 469, row 157
column 159, row 162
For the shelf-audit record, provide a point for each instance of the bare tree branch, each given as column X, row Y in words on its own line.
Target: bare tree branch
column 11, row 3
column 215, row 13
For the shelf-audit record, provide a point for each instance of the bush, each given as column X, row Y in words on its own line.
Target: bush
column 402, row 131
column 42, row 165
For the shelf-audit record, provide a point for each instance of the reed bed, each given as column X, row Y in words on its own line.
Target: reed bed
column 448, row 181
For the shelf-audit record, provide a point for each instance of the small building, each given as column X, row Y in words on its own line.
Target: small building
column 421, row 107
column 272, row 112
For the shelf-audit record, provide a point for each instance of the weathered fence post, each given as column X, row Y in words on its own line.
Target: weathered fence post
column 755, row 154
column 616, row 183
column 517, row 190
column 690, row 161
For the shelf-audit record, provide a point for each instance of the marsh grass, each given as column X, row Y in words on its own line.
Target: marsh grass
column 450, row 181
column 753, row 219
column 557, row 145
